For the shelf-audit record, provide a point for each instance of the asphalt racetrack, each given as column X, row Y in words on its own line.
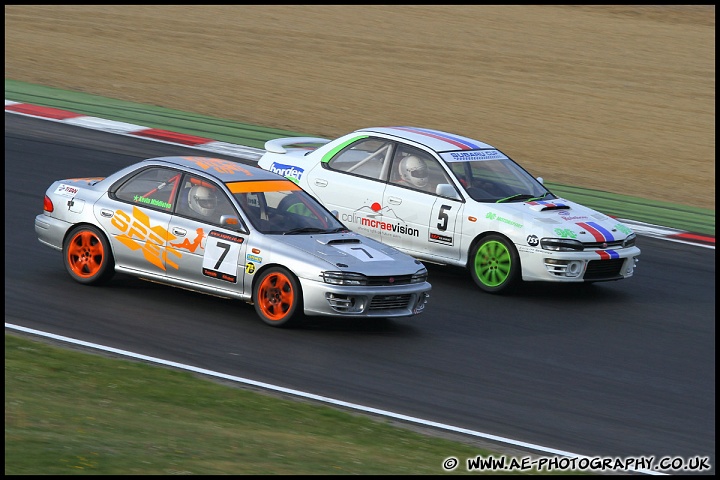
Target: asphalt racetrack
column 614, row 369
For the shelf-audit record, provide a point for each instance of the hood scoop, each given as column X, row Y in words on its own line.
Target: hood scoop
column 544, row 205
column 342, row 241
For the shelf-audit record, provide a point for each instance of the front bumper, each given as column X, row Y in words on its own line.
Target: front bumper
column 587, row 266
column 368, row 302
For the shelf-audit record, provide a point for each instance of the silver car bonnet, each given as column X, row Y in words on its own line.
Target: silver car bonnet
column 353, row 252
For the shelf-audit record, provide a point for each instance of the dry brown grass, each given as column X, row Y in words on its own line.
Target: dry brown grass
column 616, row 98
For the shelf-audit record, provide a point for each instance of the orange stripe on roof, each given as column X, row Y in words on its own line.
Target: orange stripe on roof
column 261, row 186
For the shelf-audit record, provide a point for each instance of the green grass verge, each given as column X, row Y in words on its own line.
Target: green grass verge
column 693, row 219
column 72, row 412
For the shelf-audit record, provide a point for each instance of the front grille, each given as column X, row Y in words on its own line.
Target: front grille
column 604, row 269
column 386, row 280
column 390, row 302
column 599, row 245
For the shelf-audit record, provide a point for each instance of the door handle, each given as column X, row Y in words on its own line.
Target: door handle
column 320, row 182
column 394, row 200
column 106, row 213
column 180, row 232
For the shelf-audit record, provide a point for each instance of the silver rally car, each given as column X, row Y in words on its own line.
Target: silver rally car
column 227, row 229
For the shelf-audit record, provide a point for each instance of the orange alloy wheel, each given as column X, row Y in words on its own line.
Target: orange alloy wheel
column 277, row 296
column 87, row 256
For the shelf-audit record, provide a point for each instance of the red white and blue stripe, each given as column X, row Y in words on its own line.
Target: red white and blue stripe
column 435, row 139
column 607, row 254
column 597, row 231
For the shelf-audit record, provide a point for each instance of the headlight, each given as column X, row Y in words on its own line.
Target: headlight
column 344, row 278
column 419, row 277
column 561, row 244
column 629, row 241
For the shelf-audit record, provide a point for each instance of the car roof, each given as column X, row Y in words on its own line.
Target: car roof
column 434, row 139
column 224, row 170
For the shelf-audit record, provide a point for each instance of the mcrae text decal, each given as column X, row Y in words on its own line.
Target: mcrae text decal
column 390, row 223
column 389, row 226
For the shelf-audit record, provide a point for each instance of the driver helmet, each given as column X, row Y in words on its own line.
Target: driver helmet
column 414, row 171
column 202, row 200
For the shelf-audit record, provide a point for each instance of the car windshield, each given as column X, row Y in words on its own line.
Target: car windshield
column 490, row 176
column 282, row 208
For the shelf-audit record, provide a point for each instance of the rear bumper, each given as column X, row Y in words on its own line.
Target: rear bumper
column 51, row 231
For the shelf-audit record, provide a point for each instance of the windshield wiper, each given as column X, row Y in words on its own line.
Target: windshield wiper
column 540, row 197
column 517, row 196
column 295, row 231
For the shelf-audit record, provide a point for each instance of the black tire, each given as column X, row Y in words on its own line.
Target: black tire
column 87, row 256
column 278, row 298
column 494, row 264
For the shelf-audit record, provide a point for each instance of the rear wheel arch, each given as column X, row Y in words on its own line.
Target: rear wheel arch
column 88, row 255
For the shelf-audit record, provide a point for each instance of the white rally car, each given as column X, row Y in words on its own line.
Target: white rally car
column 452, row 200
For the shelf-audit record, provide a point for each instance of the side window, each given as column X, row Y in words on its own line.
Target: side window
column 366, row 158
column 254, row 206
column 203, row 201
column 416, row 169
column 152, row 188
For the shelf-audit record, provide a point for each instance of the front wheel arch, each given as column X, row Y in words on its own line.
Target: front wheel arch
column 278, row 297
column 494, row 263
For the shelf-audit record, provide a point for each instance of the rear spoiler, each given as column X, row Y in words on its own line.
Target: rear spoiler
column 278, row 145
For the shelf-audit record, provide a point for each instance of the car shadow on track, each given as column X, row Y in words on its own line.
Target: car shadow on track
column 197, row 303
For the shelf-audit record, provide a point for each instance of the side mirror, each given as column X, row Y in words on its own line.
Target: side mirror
column 540, row 179
column 447, row 190
column 231, row 222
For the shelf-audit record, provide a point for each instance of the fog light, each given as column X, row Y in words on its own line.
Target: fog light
column 422, row 300
column 574, row 268
column 564, row 268
column 631, row 266
column 345, row 303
